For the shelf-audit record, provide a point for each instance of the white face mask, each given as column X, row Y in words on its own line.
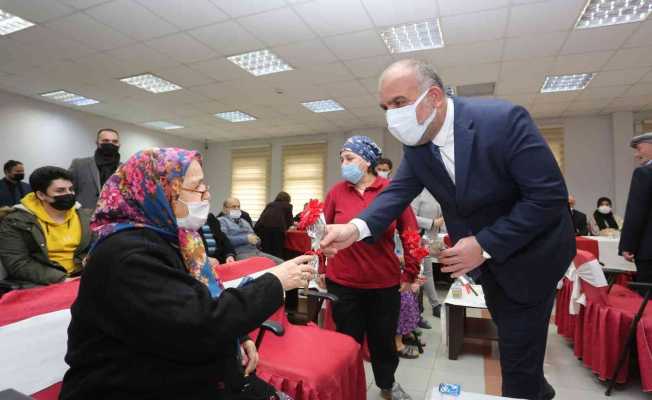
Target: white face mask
column 235, row 214
column 403, row 124
column 604, row 209
column 197, row 215
column 383, row 174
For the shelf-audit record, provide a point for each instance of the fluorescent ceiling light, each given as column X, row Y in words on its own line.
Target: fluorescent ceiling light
column 566, row 83
column 10, row 23
column 321, row 106
column 598, row 13
column 151, row 83
column 69, row 98
column 260, row 62
column 163, row 125
column 413, row 37
column 235, row 116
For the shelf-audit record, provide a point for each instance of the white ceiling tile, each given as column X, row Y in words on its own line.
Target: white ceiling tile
column 227, row 38
column 640, row 89
column 486, row 25
column 45, row 42
column 330, row 17
column 534, row 45
column 524, row 100
column 588, row 106
column 36, row 10
column 648, row 77
column 393, row 12
column 597, row 39
column 451, row 7
column 370, row 67
column 549, row 16
column 142, row 57
column 472, row 53
column 634, row 102
column 87, row 30
column 631, row 58
column 132, row 19
column 594, row 93
column 220, row 69
column 237, row 8
column 183, row 76
column 518, row 77
column 643, row 35
column 357, row 45
column 186, row 14
column 371, row 84
column 346, row 88
column 306, row 53
column 277, row 27
column 82, row 4
column 558, row 97
column 182, row 47
column 574, row 63
column 472, row 73
column 618, row 77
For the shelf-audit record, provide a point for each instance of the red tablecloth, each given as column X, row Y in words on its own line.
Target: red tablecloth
column 297, row 241
column 589, row 245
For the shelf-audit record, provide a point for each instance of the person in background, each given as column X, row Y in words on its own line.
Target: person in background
column 12, row 187
column 579, row 218
column 367, row 278
column 384, row 168
column 636, row 236
column 297, row 216
column 243, row 214
column 90, row 173
column 431, row 222
column 46, row 237
column 152, row 319
column 217, row 244
column 274, row 221
column 604, row 222
column 240, row 232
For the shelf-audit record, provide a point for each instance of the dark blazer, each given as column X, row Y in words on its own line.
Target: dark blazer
column 636, row 235
column 7, row 197
column 143, row 328
column 509, row 193
column 274, row 221
column 579, row 223
column 224, row 248
column 86, row 178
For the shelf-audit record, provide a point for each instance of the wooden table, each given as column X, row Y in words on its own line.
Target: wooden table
column 460, row 326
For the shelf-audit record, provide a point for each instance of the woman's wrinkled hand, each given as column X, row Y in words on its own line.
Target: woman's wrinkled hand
column 294, row 273
column 249, row 348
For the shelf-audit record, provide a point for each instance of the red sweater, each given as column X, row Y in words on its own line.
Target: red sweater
column 363, row 265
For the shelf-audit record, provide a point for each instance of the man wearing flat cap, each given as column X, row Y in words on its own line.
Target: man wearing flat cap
column 636, row 235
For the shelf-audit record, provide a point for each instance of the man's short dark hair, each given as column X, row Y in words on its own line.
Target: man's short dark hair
column 42, row 177
column 9, row 165
column 105, row 130
column 385, row 161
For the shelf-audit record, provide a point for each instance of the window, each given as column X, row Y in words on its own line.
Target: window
column 304, row 170
column 646, row 126
column 250, row 178
column 555, row 139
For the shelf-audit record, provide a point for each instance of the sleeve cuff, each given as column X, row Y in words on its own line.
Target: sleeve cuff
column 363, row 228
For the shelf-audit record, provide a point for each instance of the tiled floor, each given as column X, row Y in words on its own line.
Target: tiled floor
column 476, row 368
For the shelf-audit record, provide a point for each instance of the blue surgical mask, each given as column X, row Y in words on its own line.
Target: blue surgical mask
column 351, row 173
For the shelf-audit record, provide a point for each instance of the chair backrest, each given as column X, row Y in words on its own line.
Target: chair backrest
column 592, row 280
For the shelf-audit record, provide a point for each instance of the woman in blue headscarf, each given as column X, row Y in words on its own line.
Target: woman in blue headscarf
column 152, row 320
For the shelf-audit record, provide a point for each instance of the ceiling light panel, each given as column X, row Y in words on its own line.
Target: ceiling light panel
column 260, row 62
column 235, row 116
column 10, row 23
column 413, row 37
column 163, row 125
column 69, row 98
column 321, row 106
column 151, row 83
column 599, row 13
column 566, row 83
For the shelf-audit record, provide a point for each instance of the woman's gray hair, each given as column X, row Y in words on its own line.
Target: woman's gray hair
column 425, row 73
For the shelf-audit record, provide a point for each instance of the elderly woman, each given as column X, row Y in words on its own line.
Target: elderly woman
column 366, row 277
column 604, row 222
column 152, row 320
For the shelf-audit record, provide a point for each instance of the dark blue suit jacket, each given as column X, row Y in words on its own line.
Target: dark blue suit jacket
column 509, row 193
column 636, row 235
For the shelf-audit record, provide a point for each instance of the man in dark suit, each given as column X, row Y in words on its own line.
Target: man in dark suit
column 12, row 187
column 90, row 173
column 504, row 201
column 579, row 219
column 636, row 235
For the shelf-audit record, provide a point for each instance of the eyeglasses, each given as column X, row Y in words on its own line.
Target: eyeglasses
column 204, row 192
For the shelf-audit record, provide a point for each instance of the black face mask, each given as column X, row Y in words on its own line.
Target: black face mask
column 18, row 177
column 63, row 202
column 108, row 149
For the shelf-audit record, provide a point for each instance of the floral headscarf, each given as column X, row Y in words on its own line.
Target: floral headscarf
column 139, row 195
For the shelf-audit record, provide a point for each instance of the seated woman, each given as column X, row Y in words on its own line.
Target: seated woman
column 152, row 320
column 46, row 236
column 604, row 222
column 274, row 221
column 217, row 244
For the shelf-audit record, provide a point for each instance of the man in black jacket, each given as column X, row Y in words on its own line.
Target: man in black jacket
column 12, row 187
column 636, row 235
column 579, row 218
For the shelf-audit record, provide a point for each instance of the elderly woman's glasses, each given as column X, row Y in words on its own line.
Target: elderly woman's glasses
column 202, row 189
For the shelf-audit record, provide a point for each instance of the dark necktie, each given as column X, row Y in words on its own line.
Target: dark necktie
column 440, row 162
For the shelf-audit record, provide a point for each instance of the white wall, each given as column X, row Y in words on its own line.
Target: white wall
column 39, row 133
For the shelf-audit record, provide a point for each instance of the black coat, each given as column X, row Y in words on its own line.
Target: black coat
column 636, row 235
column 224, row 248
column 579, row 222
column 274, row 221
column 9, row 197
column 143, row 328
